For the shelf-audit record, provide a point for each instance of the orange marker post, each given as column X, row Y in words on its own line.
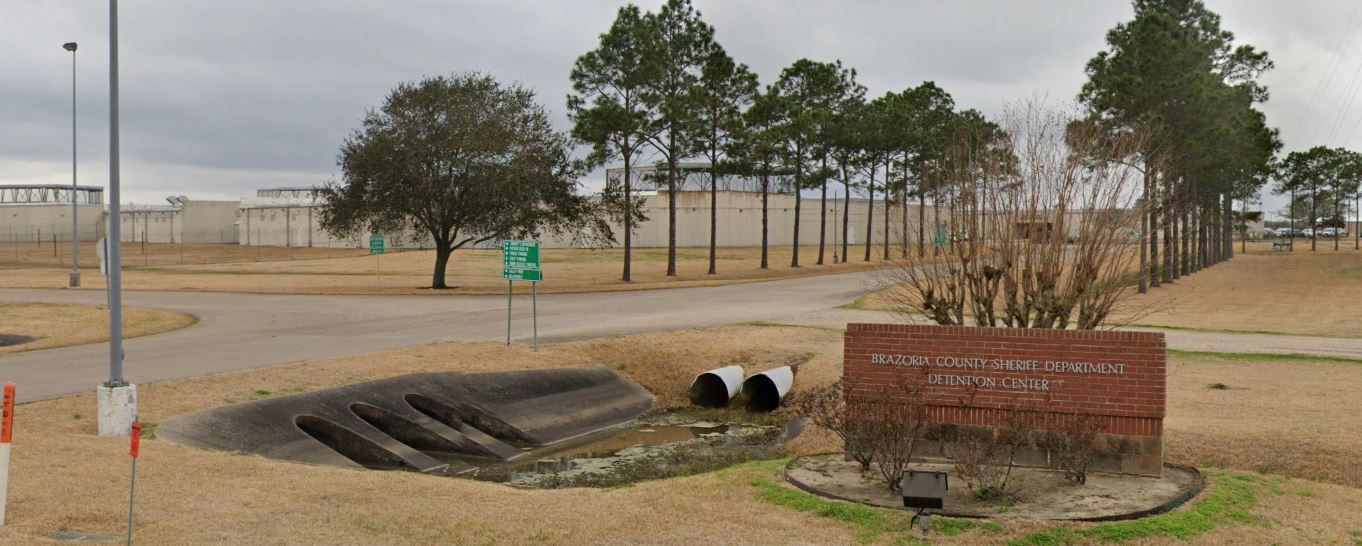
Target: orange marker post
column 134, row 449
column 6, row 433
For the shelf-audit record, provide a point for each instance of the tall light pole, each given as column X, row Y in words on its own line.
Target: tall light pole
column 117, row 398
column 75, row 226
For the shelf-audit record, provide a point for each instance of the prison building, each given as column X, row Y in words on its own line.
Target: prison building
column 41, row 212
column 181, row 220
column 291, row 217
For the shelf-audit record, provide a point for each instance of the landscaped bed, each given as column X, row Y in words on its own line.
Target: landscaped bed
column 1038, row 493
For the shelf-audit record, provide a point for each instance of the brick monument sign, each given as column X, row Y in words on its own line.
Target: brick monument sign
column 978, row 377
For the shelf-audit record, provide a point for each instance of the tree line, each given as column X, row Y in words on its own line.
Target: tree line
column 464, row 159
column 660, row 85
column 1173, row 72
column 1322, row 182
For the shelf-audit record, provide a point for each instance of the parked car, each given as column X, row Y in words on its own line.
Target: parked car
column 1307, row 232
column 1327, row 232
column 1269, row 232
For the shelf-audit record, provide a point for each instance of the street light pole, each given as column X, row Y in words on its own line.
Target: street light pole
column 75, row 225
column 115, row 218
column 117, row 398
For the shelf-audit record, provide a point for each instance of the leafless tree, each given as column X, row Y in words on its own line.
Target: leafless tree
column 1044, row 228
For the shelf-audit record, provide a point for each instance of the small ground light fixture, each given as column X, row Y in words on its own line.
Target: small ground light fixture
column 925, row 491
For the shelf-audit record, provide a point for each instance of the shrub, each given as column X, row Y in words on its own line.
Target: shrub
column 827, row 408
column 984, row 457
column 1073, row 444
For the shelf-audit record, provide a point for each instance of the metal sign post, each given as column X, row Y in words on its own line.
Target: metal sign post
column 376, row 248
column 520, row 262
column 134, row 449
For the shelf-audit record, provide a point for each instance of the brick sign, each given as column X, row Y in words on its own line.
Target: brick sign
column 972, row 376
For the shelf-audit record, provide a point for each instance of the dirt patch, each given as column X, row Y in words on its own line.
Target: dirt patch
column 1043, row 493
column 48, row 326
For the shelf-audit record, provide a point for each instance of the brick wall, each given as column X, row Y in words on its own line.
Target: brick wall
column 1120, row 376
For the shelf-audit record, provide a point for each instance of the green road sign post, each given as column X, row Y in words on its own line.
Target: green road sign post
column 376, row 249
column 520, row 262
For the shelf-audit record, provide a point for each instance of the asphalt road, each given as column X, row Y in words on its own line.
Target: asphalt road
column 242, row 331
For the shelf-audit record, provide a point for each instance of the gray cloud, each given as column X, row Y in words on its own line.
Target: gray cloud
column 221, row 98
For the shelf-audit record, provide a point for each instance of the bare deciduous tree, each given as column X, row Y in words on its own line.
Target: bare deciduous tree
column 1044, row 227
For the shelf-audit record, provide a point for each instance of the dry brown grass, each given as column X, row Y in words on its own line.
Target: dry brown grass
column 310, row 271
column 1295, row 418
column 58, row 325
column 1303, row 293
column 66, row 478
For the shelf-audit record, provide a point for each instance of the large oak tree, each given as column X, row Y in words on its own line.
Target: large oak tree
column 463, row 160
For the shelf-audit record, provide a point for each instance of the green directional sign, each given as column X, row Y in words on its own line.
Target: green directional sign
column 520, row 254
column 376, row 244
column 531, row 275
column 520, row 261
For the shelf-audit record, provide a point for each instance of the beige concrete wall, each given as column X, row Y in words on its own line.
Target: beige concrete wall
column 292, row 226
column 31, row 222
column 195, row 222
column 151, row 225
column 208, row 222
column 739, row 221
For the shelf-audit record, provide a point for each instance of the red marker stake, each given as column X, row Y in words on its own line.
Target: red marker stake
column 6, row 433
column 134, row 448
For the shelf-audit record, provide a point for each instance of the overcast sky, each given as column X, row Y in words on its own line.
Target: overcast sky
column 222, row 98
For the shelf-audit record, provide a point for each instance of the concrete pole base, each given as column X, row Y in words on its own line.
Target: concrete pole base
column 75, row 279
column 117, row 409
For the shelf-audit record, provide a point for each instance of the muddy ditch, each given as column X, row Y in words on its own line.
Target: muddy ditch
column 659, row 446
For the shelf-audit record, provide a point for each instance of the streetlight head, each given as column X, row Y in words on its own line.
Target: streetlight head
column 69, row 46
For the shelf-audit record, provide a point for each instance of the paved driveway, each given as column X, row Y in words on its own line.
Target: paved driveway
column 240, row 331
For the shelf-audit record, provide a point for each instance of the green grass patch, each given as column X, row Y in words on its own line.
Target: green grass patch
column 261, row 393
column 862, row 303
column 764, row 324
column 1228, row 502
column 1263, row 357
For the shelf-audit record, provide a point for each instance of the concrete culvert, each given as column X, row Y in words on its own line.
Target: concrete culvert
column 403, row 429
column 714, row 388
column 348, row 443
column 765, row 390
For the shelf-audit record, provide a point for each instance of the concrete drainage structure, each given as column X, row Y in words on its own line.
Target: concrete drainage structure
column 397, row 422
column 765, row 390
column 714, row 388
